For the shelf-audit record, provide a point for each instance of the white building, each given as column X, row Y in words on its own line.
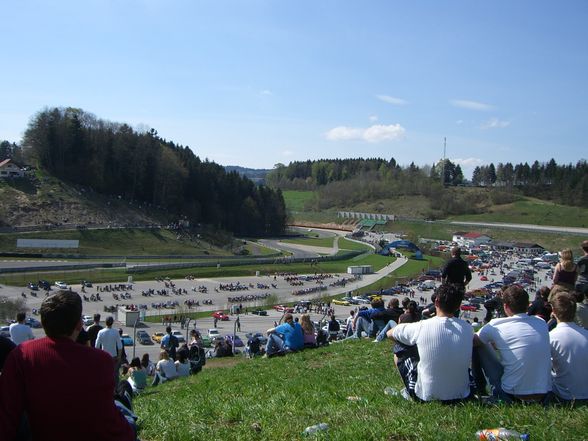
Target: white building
column 472, row 239
column 10, row 170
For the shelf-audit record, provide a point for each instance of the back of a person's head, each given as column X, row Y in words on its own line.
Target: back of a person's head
column 377, row 303
column 145, row 359
column 288, row 317
column 20, row 317
column 564, row 306
column 135, row 362
column 352, row 312
column 405, row 302
column 182, row 356
column 96, row 318
column 585, row 246
column 168, row 329
column 433, row 297
column 412, row 307
column 60, row 313
column 393, row 303
column 543, row 292
column 448, row 298
column 516, row 298
column 163, row 355
column 456, row 251
column 333, row 317
column 109, row 321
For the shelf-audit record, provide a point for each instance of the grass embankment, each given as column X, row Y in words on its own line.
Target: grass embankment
column 298, row 200
column 532, row 211
column 275, row 399
column 324, row 242
column 116, row 242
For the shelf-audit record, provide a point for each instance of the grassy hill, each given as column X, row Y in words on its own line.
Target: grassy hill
column 275, row 399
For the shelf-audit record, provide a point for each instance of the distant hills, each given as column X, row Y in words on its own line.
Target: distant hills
column 257, row 175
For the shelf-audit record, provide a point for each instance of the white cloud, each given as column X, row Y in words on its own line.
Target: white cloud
column 373, row 118
column 266, row 92
column 392, row 100
column 471, row 105
column 375, row 133
column 495, row 123
column 468, row 162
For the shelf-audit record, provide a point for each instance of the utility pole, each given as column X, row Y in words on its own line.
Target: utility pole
column 443, row 167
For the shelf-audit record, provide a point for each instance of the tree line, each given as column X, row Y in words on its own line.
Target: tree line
column 115, row 159
column 342, row 182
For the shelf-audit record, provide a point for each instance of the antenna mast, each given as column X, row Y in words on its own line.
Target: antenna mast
column 443, row 167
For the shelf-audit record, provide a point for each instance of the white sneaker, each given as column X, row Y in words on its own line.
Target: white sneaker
column 376, row 341
column 405, row 394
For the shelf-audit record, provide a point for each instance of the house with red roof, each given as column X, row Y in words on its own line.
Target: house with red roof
column 470, row 239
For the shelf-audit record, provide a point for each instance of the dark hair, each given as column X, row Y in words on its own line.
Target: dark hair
column 578, row 296
column 288, row 316
column 96, row 317
column 168, row 329
column 61, row 313
column 109, row 321
column 135, row 362
column 20, row 316
column 585, row 246
column 182, row 356
column 564, row 306
column 377, row 303
column 456, row 251
column 516, row 298
column 543, row 292
column 448, row 298
column 405, row 302
column 145, row 360
column 393, row 303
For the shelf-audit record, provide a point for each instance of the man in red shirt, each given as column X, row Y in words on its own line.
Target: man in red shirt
column 47, row 380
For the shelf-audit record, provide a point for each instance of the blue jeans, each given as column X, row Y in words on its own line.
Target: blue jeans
column 361, row 325
column 491, row 368
column 382, row 334
column 275, row 344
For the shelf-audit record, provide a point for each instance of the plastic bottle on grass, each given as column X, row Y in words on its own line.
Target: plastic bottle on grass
column 501, row 434
column 311, row 430
column 391, row 391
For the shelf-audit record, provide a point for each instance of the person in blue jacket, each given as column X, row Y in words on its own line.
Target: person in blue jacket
column 287, row 337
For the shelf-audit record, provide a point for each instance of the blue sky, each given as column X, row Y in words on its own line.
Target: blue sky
column 255, row 83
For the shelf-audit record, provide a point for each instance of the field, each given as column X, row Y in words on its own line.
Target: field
column 275, row 399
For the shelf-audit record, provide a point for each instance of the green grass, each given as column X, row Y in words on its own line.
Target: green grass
column 346, row 244
column 532, row 211
column 115, row 242
column 275, row 399
column 325, row 242
column 296, row 200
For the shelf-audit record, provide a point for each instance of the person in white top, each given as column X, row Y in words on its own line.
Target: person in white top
column 569, row 351
column 523, row 371
column 165, row 369
column 19, row 332
column 444, row 346
column 109, row 340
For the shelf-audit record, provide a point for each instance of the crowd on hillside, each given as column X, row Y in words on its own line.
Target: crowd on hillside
column 536, row 353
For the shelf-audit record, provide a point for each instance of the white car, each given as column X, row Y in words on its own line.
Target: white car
column 87, row 320
column 180, row 336
column 61, row 285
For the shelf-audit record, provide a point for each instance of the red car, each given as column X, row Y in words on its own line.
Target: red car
column 282, row 308
column 484, row 279
column 468, row 308
column 220, row 316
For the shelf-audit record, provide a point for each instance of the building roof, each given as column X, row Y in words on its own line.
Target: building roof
column 3, row 163
column 474, row 235
column 527, row 245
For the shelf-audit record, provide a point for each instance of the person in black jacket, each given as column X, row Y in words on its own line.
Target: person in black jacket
column 457, row 272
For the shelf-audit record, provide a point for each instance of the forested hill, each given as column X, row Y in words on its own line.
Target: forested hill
column 356, row 180
column 114, row 159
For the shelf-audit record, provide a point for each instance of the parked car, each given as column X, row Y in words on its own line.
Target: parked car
column 143, row 338
column 87, row 320
column 341, row 302
column 213, row 333
column 32, row 322
column 5, row 331
column 86, row 284
column 220, row 316
column 157, row 336
column 33, row 286
column 261, row 312
column 61, row 285
column 44, row 285
column 469, row 307
column 284, row 309
column 180, row 336
column 127, row 340
column 361, row 300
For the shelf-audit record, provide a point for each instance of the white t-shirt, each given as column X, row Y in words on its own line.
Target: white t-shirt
column 108, row 340
column 168, row 368
column 569, row 355
column 522, row 342
column 183, row 369
column 445, row 350
column 20, row 332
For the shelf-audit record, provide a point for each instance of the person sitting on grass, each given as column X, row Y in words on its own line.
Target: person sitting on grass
column 569, row 351
column 137, row 376
column 165, row 370
column 308, row 330
column 514, row 352
column 182, row 364
column 287, row 337
column 439, row 368
column 365, row 323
